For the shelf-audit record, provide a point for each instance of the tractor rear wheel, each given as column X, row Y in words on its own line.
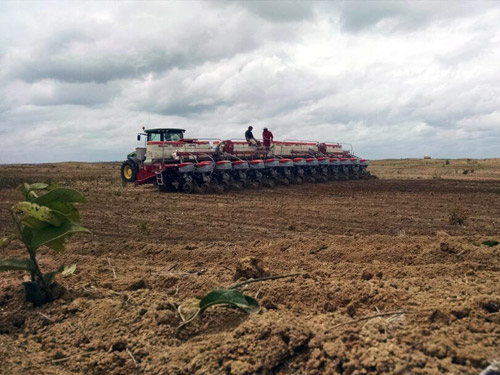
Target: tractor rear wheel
column 322, row 178
column 187, row 187
column 129, row 170
column 284, row 181
column 236, row 185
column 253, row 184
column 216, row 188
column 269, row 183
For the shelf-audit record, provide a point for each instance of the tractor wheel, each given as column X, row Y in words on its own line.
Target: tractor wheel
column 187, row 187
column 129, row 170
column 310, row 179
column 216, row 188
column 269, row 183
column 366, row 175
column 284, row 181
column 253, row 184
column 236, row 185
column 322, row 178
column 298, row 180
column 225, row 186
column 197, row 189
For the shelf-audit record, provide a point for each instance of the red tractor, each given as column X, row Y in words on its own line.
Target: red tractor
column 175, row 163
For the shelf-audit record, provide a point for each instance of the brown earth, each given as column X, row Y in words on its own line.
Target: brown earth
column 388, row 284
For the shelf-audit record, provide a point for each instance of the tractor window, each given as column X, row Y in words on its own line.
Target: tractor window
column 154, row 137
column 175, row 136
column 165, row 136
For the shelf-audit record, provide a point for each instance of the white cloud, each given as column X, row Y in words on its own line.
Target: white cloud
column 396, row 79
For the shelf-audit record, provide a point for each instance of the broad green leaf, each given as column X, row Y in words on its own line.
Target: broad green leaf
column 65, row 208
column 69, row 270
column 34, row 223
column 38, row 212
column 490, row 243
column 27, row 235
column 53, row 185
column 13, row 264
column 57, row 244
column 60, row 195
column 29, row 190
column 232, row 297
column 50, row 234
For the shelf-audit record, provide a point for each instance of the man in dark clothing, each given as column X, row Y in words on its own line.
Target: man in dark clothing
column 249, row 137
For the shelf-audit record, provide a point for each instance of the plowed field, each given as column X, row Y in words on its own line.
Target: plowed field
column 388, row 283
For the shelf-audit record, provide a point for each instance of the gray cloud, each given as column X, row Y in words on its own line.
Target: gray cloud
column 280, row 11
column 130, row 43
column 396, row 79
column 356, row 16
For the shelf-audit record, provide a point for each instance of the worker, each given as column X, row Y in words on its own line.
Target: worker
column 267, row 139
column 250, row 138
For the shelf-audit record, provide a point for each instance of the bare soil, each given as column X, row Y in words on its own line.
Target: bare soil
column 388, row 285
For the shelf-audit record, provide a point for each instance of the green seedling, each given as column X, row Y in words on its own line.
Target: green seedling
column 457, row 216
column 490, row 243
column 47, row 217
column 231, row 297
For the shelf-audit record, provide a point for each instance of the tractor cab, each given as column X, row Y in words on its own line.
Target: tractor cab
column 162, row 135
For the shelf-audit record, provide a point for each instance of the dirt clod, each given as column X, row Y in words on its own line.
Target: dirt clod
column 446, row 247
column 458, row 216
column 491, row 305
column 461, row 313
column 329, row 307
column 268, row 303
column 438, row 316
column 118, row 346
column 140, row 284
column 366, row 275
column 18, row 321
column 250, row 268
column 58, row 355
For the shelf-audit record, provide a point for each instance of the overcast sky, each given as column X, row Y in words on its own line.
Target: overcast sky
column 396, row 79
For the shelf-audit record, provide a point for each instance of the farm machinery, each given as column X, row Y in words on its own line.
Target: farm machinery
column 175, row 163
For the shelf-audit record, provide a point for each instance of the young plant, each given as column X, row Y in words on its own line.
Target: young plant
column 457, row 216
column 490, row 243
column 230, row 296
column 47, row 217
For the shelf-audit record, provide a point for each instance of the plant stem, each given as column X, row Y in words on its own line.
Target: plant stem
column 39, row 273
column 250, row 281
column 32, row 253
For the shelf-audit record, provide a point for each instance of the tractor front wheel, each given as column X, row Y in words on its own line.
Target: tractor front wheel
column 129, row 170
